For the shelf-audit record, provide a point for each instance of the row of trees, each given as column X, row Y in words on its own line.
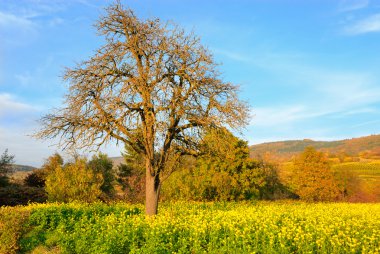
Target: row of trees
column 223, row 172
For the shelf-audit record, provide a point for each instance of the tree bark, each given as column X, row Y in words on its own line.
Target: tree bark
column 152, row 188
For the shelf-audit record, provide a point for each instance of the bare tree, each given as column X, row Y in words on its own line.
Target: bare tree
column 151, row 86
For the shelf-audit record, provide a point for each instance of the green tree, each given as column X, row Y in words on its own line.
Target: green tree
column 72, row 182
column 224, row 172
column 312, row 177
column 101, row 164
column 131, row 176
column 6, row 162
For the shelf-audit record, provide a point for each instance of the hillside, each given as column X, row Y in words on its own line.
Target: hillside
column 367, row 146
column 17, row 168
column 117, row 161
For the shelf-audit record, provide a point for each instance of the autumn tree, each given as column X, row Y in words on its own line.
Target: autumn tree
column 312, row 177
column 152, row 86
column 52, row 162
column 38, row 177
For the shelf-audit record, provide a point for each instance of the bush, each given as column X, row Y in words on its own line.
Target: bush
column 74, row 182
column 13, row 195
column 35, row 179
column 12, row 220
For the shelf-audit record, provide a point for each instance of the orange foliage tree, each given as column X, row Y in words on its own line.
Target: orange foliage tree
column 312, row 177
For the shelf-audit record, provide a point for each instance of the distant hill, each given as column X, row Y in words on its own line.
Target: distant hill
column 117, row 161
column 287, row 149
column 18, row 168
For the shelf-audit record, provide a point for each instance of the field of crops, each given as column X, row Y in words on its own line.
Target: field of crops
column 369, row 171
column 262, row 227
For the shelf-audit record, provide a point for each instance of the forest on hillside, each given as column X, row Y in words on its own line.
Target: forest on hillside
column 367, row 147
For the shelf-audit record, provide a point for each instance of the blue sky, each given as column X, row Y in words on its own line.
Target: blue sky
column 309, row 69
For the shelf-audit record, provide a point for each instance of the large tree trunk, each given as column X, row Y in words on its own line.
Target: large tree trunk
column 152, row 192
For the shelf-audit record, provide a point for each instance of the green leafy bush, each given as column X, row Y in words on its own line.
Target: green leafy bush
column 74, row 182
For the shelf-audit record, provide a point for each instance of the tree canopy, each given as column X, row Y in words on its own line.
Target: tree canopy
column 152, row 86
column 312, row 177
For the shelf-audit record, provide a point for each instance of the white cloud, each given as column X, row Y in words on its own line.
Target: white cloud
column 322, row 91
column 10, row 106
column 56, row 22
column 370, row 24
column 16, row 29
column 19, row 22
column 352, row 5
column 278, row 115
column 27, row 150
column 30, row 151
column 366, row 123
column 24, row 79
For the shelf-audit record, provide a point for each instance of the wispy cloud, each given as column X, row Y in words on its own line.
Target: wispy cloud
column 278, row 115
column 8, row 20
column 370, row 24
column 322, row 92
column 10, row 106
column 352, row 5
column 366, row 123
column 16, row 29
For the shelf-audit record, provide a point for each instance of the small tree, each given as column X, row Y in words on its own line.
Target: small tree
column 153, row 87
column 35, row 179
column 73, row 182
column 101, row 164
column 131, row 176
column 52, row 163
column 6, row 162
column 312, row 177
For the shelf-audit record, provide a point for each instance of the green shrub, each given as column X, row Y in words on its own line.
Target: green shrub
column 73, row 182
column 12, row 220
column 35, row 179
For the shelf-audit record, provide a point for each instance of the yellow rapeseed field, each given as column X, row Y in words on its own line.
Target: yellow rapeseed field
column 188, row 227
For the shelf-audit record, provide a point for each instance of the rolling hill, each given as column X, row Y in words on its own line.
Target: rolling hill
column 24, row 168
column 286, row 149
